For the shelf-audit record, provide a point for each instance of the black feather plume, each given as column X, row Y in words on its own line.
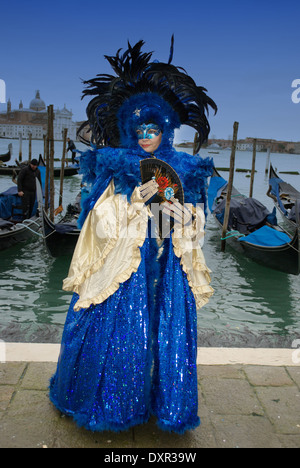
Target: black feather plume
column 171, row 50
column 135, row 74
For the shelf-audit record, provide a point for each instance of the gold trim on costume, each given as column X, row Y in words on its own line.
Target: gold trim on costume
column 107, row 251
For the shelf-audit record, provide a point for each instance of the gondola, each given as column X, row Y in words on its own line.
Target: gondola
column 253, row 230
column 60, row 238
column 285, row 197
column 13, row 229
column 12, row 234
column 4, row 158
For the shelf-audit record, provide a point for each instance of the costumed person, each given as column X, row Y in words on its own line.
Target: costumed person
column 129, row 345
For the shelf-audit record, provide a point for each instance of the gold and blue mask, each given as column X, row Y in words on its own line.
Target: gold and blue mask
column 147, row 132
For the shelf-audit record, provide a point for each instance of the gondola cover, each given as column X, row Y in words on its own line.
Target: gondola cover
column 246, row 214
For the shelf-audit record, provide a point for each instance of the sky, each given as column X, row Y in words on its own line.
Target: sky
column 245, row 53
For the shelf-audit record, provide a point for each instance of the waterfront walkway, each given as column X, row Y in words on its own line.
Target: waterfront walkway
column 247, row 398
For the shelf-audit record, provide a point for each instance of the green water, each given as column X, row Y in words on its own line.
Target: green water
column 252, row 305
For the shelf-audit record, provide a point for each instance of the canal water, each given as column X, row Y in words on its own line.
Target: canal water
column 252, row 306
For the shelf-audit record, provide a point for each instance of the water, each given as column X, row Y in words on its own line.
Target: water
column 252, row 305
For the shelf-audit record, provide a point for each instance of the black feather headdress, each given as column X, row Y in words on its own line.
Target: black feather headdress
column 143, row 90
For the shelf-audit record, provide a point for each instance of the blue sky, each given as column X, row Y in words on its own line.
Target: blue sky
column 246, row 53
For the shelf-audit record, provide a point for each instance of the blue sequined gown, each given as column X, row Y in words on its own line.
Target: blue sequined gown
column 134, row 354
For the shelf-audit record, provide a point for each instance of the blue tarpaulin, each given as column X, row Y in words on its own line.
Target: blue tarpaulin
column 214, row 190
column 275, row 186
column 8, row 200
column 266, row 237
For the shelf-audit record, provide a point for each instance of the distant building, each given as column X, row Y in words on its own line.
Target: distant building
column 214, row 146
column 63, row 119
column 34, row 120
column 247, row 145
column 262, row 144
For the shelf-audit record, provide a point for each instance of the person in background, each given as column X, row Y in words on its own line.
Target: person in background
column 72, row 148
column 27, row 186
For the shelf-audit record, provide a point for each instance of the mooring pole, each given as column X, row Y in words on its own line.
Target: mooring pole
column 268, row 160
column 29, row 146
column 62, row 171
column 230, row 185
column 45, row 146
column 47, row 170
column 51, row 159
column 253, row 168
column 20, row 147
column 195, row 143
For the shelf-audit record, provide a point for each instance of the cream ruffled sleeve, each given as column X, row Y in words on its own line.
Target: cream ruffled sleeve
column 107, row 251
column 187, row 241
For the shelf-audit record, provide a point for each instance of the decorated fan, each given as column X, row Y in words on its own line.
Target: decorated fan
column 168, row 188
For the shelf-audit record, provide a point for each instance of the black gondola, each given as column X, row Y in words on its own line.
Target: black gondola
column 285, row 197
column 253, row 230
column 60, row 238
column 6, row 157
column 12, row 234
column 13, row 229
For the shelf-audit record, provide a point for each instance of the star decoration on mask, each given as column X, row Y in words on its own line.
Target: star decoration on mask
column 137, row 112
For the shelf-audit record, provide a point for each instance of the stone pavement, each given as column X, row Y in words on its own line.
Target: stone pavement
column 240, row 406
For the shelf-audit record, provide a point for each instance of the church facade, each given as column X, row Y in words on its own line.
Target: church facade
column 33, row 120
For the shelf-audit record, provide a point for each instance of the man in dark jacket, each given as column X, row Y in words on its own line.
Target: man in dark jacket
column 27, row 186
column 72, row 148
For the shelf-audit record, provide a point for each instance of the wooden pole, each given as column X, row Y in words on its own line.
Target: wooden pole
column 29, row 146
column 229, row 186
column 298, row 228
column 268, row 160
column 62, row 166
column 20, row 147
column 45, row 146
column 253, row 168
column 195, row 143
column 47, row 170
column 51, row 159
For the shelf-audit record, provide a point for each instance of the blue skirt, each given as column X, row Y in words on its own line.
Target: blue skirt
column 134, row 354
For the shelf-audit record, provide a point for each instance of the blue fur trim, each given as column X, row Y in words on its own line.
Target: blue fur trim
column 193, row 172
column 88, row 164
column 83, row 420
column 99, row 166
column 179, row 428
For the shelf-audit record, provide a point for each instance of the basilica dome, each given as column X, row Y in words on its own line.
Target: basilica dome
column 37, row 104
